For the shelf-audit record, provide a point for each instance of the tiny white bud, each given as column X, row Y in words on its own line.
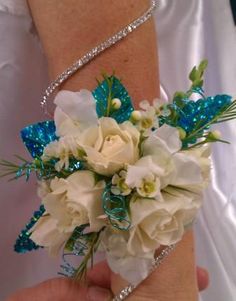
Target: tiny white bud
column 116, row 103
column 182, row 133
column 215, row 134
column 136, row 115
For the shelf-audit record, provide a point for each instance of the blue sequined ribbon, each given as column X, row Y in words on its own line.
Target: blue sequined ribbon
column 24, row 243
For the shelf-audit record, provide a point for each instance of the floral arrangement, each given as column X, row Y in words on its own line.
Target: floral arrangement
column 116, row 179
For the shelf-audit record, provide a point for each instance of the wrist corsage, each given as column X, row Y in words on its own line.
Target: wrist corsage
column 116, row 179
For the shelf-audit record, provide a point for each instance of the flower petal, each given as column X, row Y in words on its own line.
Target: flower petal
column 74, row 110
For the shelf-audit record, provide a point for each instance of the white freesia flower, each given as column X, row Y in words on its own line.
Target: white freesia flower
column 70, row 203
column 163, row 158
column 131, row 268
column 160, row 106
column 109, row 146
column 75, row 111
column 157, row 161
column 148, row 119
column 165, row 138
column 63, row 149
column 182, row 176
column 119, row 185
column 141, row 177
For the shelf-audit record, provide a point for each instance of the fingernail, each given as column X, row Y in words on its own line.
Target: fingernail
column 202, row 272
column 96, row 293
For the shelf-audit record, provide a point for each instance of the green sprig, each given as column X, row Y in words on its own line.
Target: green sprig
column 91, row 241
column 196, row 77
column 43, row 170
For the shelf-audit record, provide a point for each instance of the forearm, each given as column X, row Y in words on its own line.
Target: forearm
column 68, row 29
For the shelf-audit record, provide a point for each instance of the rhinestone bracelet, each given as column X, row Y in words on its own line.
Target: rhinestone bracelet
column 124, row 293
column 95, row 52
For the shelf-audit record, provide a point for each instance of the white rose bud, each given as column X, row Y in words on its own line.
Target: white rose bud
column 182, row 133
column 215, row 135
column 136, row 115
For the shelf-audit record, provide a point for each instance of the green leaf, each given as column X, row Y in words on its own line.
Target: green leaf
column 178, row 99
column 203, row 65
column 194, row 74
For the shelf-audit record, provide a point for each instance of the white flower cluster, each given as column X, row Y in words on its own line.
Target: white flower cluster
column 144, row 163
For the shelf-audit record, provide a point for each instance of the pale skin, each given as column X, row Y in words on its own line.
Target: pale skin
column 68, row 29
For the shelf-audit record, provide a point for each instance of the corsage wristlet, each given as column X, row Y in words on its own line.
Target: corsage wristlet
column 120, row 180
column 115, row 179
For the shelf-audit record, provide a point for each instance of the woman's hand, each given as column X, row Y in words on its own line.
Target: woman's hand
column 97, row 288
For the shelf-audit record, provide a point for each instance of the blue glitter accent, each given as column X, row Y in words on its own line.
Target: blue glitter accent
column 101, row 94
column 193, row 114
column 24, row 243
column 37, row 136
column 75, row 165
column 116, row 208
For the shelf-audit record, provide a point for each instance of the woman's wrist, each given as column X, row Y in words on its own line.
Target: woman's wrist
column 176, row 277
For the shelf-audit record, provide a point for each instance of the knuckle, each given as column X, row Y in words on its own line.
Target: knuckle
column 59, row 288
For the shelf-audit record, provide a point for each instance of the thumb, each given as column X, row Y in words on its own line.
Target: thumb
column 175, row 279
column 62, row 289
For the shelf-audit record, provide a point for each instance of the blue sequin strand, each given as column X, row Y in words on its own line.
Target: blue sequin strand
column 24, row 243
column 101, row 94
column 37, row 136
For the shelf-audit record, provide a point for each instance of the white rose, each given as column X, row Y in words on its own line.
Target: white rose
column 160, row 223
column 75, row 111
column 109, row 146
column 70, row 203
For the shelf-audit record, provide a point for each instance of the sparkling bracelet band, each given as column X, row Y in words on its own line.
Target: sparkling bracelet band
column 124, row 293
column 95, row 52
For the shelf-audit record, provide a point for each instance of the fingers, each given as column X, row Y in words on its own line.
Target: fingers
column 62, row 289
column 202, row 278
column 100, row 275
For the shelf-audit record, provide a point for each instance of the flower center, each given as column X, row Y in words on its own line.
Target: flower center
column 112, row 144
column 146, row 123
column 122, row 185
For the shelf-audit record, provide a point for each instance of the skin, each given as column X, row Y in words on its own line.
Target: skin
column 62, row 25
column 100, row 283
